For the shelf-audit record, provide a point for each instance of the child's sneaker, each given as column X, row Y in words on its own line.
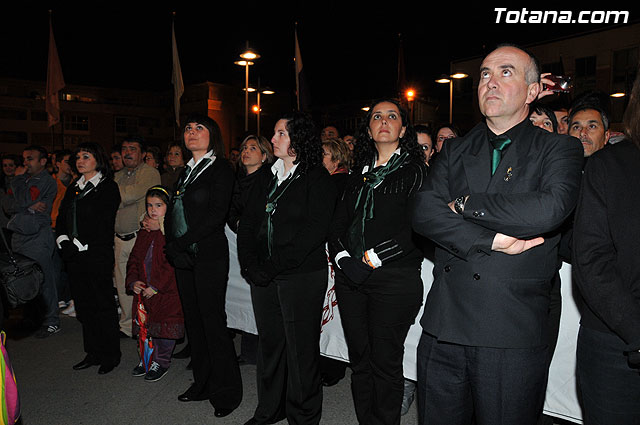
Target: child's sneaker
column 139, row 370
column 156, row 372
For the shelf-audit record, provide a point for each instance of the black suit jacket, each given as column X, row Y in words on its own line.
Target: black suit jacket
column 206, row 204
column 300, row 224
column 481, row 297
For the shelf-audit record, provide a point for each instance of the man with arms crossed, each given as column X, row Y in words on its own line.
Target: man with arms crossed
column 492, row 204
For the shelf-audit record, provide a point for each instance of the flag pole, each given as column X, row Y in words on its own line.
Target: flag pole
column 296, row 65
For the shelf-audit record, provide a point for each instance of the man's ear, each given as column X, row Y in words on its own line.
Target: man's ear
column 532, row 92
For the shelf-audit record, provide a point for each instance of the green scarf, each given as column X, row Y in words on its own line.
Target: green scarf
column 178, row 217
column 364, row 204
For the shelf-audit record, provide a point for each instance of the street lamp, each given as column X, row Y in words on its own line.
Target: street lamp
column 259, row 109
column 449, row 79
column 246, row 57
column 411, row 95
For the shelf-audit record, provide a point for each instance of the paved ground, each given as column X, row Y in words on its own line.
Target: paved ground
column 53, row 394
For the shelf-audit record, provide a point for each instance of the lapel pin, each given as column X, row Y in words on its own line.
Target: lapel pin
column 509, row 174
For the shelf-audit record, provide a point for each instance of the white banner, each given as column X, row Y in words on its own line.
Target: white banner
column 561, row 400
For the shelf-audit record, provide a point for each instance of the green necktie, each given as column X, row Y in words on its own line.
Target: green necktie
column 498, row 143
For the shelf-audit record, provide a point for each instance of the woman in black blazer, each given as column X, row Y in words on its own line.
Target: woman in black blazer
column 84, row 232
column 378, row 284
column 197, row 248
column 281, row 248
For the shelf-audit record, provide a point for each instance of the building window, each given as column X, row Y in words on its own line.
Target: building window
column 126, row 125
column 39, row 116
column 13, row 137
column 13, row 114
column 76, row 122
column 585, row 75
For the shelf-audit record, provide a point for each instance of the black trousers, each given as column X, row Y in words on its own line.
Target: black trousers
column 609, row 388
column 288, row 316
column 496, row 386
column 216, row 373
column 92, row 290
column 376, row 317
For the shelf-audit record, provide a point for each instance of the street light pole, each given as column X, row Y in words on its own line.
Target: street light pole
column 449, row 79
column 247, row 56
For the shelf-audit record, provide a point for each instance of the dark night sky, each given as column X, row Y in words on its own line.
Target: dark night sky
column 346, row 55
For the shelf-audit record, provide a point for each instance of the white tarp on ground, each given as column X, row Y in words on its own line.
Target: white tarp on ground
column 561, row 398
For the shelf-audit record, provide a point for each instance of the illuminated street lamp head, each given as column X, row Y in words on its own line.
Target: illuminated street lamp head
column 443, row 80
column 249, row 55
column 619, row 94
column 459, row 75
column 268, row 92
column 243, row 63
column 255, row 109
column 411, row 94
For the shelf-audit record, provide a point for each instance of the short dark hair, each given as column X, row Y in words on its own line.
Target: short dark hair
column 590, row 100
column 422, row 129
column 42, row 152
column 136, row 139
column 102, row 162
column 12, row 157
column 117, row 148
column 215, row 135
column 541, row 109
column 62, row 153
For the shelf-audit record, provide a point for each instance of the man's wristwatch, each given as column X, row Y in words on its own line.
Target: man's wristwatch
column 458, row 204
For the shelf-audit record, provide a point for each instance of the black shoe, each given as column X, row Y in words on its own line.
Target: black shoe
column 221, row 413
column 156, row 373
column 87, row 362
column 107, row 367
column 330, row 382
column 139, row 370
column 190, row 395
column 46, row 331
column 185, row 353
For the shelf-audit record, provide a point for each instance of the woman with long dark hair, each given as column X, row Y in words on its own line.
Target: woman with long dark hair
column 197, row 247
column 84, row 230
column 281, row 248
column 378, row 284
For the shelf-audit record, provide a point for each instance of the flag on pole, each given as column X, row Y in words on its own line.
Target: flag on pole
column 302, row 91
column 176, row 79
column 55, row 81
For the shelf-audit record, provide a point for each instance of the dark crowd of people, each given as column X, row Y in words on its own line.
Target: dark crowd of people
column 132, row 243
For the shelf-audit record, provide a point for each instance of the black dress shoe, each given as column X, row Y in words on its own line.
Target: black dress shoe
column 185, row 353
column 221, row 413
column 107, row 367
column 87, row 362
column 191, row 395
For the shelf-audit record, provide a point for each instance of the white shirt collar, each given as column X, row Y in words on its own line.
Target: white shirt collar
column 278, row 169
column 366, row 167
column 209, row 154
column 94, row 180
